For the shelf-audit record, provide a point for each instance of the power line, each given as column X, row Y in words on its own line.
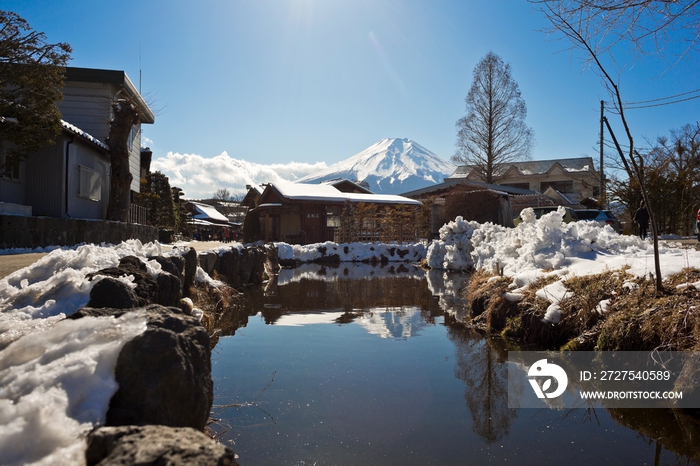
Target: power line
column 663, row 98
column 662, row 104
column 637, row 106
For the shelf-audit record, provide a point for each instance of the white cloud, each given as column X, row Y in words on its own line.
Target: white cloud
column 200, row 177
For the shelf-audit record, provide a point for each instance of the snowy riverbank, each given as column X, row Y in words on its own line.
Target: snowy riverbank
column 56, row 375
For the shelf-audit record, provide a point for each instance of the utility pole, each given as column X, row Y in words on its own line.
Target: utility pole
column 603, row 200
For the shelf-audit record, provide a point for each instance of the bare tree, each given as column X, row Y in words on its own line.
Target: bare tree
column 665, row 27
column 222, row 194
column 493, row 134
column 126, row 115
column 585, row 36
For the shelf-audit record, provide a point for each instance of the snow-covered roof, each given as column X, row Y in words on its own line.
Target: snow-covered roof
column 340, row 181
column 207, row 212
column 463, row 181
column 568, row 198
column 75, row 130
column 537, row 167
column 328, row 193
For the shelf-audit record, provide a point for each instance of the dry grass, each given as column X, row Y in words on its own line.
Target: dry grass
column 638, row 318
column 487, row 307
column 221, row 307
column 645, row 320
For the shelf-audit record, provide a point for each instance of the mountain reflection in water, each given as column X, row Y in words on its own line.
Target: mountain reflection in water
column 378, row 369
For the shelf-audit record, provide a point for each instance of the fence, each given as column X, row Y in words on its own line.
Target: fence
column 137, row 214
column 399, row 233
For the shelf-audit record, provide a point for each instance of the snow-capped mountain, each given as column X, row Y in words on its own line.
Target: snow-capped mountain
column 391, row 166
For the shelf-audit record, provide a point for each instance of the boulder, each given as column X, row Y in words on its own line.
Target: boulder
column 208, row 260
column 169, row 289
column 168, row 264
column 165, row 289
column 155, row 445
column 245, row 264
column 190, row 258
column 110, row 292
column 146, row 286
column 229, row 265
column 164, row 374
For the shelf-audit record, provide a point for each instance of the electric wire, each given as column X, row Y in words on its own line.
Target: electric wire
column 651, row 102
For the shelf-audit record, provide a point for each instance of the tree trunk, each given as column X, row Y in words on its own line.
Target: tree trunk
column 125, row 117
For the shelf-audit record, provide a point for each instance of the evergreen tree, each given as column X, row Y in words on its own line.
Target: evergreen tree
column 156, row 196
column 32, row 73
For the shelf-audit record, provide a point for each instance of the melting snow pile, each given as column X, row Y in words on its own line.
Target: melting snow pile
column 56, row 375
column 547, row 244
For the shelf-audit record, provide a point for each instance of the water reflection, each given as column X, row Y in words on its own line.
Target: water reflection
column 672, row 430
column 380, row 290
column 481, row 366
column 381, row 371
column 351, row 271
column 448, row 286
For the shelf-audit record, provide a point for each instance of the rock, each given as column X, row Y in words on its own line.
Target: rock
column 179, row 263
column 245, row 264
column 239, row 267
column 190, row 258
column 110, row 292
column 155, row 445
column 168, row 265
column 229, row 265
column 164, row 374
column 146, row 286
column 258, row 271
column 132, row 262
column 208, row 260
column 272, row 260
column 169, row 289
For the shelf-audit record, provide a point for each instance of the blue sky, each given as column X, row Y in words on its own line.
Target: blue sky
column 276, row 81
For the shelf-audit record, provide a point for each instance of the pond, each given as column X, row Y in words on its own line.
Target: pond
column 360, row 365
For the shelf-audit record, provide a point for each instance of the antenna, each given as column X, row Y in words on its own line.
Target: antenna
column 140, row 68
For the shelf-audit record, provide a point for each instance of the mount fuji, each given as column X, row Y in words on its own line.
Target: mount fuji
column 391, row 166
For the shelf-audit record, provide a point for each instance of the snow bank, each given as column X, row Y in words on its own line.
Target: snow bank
column 57, row 284
column 56, row 375
column 56, row 386
column 535, row 244
column 546, row 244
column 538, row 247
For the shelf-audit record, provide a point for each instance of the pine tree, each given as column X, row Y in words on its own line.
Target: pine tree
column 32, row 73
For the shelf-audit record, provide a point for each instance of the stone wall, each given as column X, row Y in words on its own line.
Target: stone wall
column 34, row 232
column 237, row 267
column 166, row 391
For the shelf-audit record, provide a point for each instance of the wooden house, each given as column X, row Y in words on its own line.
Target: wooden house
column 310, row 213
column 71, row 178
column 574, row 179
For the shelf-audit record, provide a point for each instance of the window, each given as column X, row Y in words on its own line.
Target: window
column 518, row 185
column 333, row 217
column 89, row 183
column 561, row 186
column 134, row 134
